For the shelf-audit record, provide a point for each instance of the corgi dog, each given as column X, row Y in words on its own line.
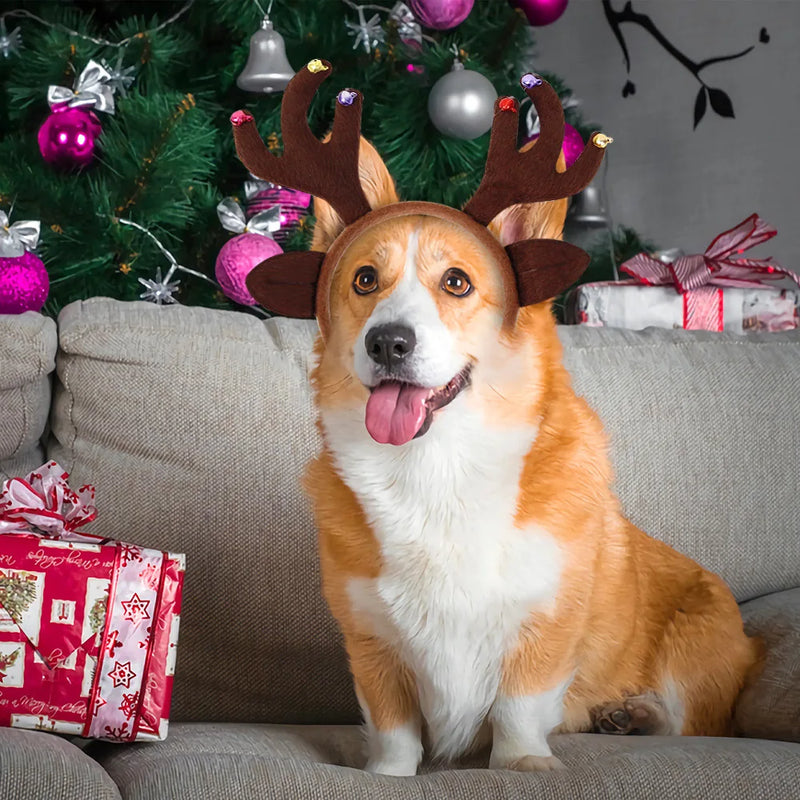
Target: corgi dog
column 487, row 586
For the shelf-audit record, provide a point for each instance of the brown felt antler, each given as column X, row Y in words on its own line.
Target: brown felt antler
column 513, row 177
column 325, row 169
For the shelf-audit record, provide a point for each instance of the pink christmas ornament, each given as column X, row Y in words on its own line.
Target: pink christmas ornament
column 541, row 12
column 68, row 137
column 294, row 205
column 573, row 143
column 441, row 14
column 24, row 284
column 237, row 258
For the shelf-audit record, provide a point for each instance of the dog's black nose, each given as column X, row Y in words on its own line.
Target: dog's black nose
column 389, row 345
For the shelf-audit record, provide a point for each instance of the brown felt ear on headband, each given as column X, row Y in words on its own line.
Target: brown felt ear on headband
column 545, row 268
column 286, row 284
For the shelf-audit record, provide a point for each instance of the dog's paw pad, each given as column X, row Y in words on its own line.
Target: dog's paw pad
column 642, row 714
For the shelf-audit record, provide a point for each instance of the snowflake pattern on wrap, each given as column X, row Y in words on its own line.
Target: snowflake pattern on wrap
column 120, row 734
column 129, row 704
column 129, row 553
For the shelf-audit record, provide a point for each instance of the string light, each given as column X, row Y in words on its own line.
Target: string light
column 24, row 13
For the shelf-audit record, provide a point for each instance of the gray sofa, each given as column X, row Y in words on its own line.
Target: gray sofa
column 195, row 425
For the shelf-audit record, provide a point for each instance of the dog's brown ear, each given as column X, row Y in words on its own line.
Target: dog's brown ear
column 545, row 268
column 378, row 187
column 286, row 284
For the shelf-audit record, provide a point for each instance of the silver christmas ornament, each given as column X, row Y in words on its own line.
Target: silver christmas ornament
column 366, row 32
column 461, row 103
column 588, row 208
column 267, row 69
column 160, row 290
column 10, row 43
column 119, row 78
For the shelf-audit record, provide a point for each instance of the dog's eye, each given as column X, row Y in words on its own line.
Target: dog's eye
column 366, row 280
column 456, row 282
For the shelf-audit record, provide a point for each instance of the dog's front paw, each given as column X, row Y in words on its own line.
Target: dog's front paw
column 385, row 766
column 536, row 764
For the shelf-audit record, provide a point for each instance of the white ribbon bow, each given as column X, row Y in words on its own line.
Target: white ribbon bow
column 17, row 238
column 45, row 505
column 232, row 217
column 92, row 90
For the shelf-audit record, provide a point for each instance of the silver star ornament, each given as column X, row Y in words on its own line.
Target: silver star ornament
column 367, row 32
column 160, row 290
column 10, row 43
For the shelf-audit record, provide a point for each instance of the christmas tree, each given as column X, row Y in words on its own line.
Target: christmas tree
column 164, row 159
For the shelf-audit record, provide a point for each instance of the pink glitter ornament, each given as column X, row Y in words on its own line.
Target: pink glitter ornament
column 441, row 14
column 573, row 143
column 541, row 12
column 237, row 258
column 294, row 205
column 67, row 138
column 24, row 284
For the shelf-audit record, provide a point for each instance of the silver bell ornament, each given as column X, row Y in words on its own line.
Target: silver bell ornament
column 267, row 69
column 588, row 208
column 461, row 103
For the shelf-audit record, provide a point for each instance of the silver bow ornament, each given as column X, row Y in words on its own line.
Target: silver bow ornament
column 232, row 217
column 17, row 238
column 92, row 90
column 408, row 29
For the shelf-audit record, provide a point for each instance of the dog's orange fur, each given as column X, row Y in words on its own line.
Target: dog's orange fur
column 631, row 615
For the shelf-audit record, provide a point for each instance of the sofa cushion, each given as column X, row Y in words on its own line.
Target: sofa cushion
column 249, row 762
column 27, row 357
column 195, row 426
column 36, row 765
column 704, row 442
column 770, row 705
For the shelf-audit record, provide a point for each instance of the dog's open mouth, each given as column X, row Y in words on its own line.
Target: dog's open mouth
column 398, row 412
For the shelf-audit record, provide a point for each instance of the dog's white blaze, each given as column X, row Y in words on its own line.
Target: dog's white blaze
column 436, row 359
column 457, row 577
column 520, row 725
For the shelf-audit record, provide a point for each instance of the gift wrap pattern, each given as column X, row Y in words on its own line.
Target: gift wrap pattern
column 628, row 304
column 88, row 626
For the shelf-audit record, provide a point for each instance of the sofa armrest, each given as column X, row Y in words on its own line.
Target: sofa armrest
column 769, row 707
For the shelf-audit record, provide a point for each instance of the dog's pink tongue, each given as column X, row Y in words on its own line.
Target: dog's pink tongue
column 395, row 412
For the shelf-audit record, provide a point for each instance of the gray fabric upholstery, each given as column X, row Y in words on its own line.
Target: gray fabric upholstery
column 705, row 442
column 257, row 762
column 41, row 766
column 195, row 426
column 27, row 357
column 769, row 707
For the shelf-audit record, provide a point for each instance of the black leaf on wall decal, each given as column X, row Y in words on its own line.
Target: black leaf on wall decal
column 719, row 100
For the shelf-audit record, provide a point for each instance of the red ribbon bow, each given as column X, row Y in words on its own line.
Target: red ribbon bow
column 717, row 266
column 45, row 505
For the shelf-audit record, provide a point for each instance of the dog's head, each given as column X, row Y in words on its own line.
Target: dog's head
column 416, row 301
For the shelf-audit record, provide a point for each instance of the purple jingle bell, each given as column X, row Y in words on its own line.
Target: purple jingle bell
column 346, row 97
column 529, row 80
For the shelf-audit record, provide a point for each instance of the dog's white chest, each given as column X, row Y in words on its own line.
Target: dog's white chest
column 458, row 577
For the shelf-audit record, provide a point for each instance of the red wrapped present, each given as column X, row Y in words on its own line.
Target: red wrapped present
column 717, row 290
column 88, row 626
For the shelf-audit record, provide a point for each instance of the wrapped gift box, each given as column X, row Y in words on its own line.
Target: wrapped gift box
column 716, row 290
column 628, row 304
column 88, row 626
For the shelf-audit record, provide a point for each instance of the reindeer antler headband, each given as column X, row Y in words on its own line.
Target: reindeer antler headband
column 296, row 284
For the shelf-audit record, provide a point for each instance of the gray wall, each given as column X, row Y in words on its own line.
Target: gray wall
column 677, row 185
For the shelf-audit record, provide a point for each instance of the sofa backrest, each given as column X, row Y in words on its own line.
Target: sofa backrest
column 27, row 358
column 195, row 426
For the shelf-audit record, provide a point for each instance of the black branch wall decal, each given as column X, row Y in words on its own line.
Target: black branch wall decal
column 716, row 98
